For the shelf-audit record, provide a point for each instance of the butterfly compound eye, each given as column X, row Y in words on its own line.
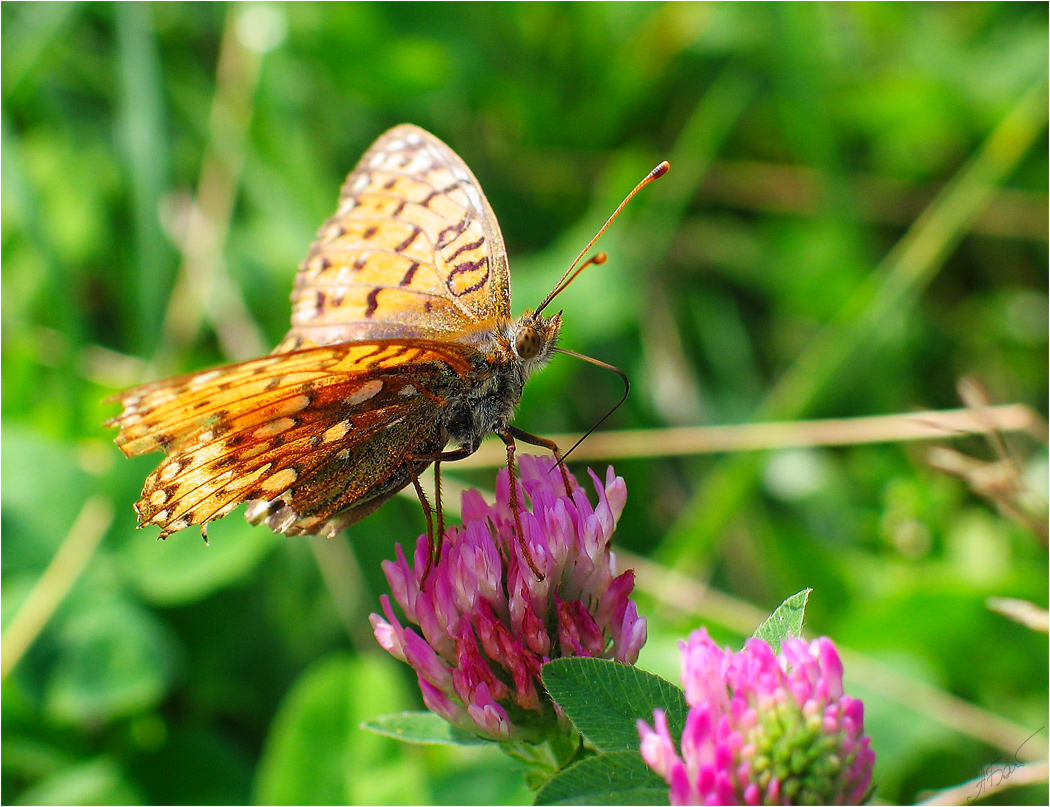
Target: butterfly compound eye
column 528, row 343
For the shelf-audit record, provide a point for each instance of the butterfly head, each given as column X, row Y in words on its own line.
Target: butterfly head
column 533, row 339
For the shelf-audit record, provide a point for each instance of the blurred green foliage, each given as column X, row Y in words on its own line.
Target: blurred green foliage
column 805, row 141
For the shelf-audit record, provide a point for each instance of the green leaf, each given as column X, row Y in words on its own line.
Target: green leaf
column 115, row 659
column 605, row 699
column 786, row 621
column 316, row 751
column 618, row 778
column 422, row 727
column 183, row 569
column 222, row 770
column 33, row 524
column 97, row 781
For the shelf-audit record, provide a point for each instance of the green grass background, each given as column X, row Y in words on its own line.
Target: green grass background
column 784, row 269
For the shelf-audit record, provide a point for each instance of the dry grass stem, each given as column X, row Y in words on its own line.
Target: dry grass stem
column 996, row 778
column 790, row 434
column 998, row 482
column 1021, row 611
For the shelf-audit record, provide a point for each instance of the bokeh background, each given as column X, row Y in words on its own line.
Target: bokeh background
column 855, row 220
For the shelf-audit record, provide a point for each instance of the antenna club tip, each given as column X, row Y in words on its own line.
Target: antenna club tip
column 600, row 258
column 660, row 170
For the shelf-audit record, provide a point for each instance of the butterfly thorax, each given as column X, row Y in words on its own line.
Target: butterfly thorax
column 508, row 355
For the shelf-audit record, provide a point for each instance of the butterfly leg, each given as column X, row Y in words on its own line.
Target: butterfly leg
column 507, row 436
column 427, row 514
column 437, row 506
column 550, row 445
column 434, row 540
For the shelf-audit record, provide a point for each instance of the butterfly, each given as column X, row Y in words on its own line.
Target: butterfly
column 402, row 343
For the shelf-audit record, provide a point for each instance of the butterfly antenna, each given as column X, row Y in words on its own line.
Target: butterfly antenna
column 619, row 403
column 572, row 272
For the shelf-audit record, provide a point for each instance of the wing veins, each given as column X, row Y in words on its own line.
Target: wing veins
column 283, row 457
column 350, row 216
column 467, row 315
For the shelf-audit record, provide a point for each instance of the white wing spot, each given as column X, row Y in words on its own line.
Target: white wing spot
column 273, row 428
column 220, row 481
column 204, row 378
column 420, row 163
column 408, row 391
column 207, row 453
column 181, row 523
column 291, row 406
column 170, row 471
column 254, row 451
column 280, row 480
column 162, row 397
column 473, row 195
column 242, row 482
column 337, row 432
column 363, row 393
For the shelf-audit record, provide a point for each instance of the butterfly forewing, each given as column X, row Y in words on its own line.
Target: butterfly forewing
column 413, row 250
column 306, row 435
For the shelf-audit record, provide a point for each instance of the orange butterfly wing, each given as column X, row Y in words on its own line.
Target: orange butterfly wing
column 413, row 250
column 310, row 436
column 400, row 287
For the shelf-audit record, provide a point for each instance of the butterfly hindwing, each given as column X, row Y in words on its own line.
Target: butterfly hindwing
column 413, row 250
column 309, row 433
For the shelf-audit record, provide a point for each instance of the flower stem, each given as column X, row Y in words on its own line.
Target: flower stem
column 546, row 758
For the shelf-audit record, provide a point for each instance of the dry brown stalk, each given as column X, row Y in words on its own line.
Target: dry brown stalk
column 789, row 434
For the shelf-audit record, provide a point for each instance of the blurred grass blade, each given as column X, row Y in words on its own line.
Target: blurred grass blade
column 699, row 142
column 143, row 138
column 895, row 285
column 203, row 290
column 56, row 581
column 21, row 198
column 31, row 38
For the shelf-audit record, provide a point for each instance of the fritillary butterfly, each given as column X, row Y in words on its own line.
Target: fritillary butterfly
column 401, row 343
